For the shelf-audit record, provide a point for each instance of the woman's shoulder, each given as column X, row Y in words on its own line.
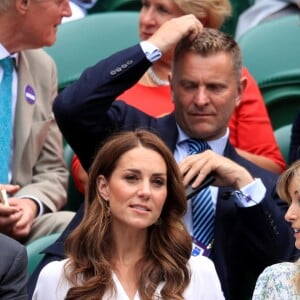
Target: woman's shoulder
column 200, row 260
column 204, row 282
column 51, row 284
column 53, row 270
column 279, row 270
column 276, row 282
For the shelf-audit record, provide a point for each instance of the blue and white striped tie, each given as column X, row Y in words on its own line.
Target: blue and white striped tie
column 203, row 212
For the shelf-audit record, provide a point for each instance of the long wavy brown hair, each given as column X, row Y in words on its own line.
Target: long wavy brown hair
column 169, row 245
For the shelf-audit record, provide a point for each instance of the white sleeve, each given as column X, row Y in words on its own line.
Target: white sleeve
column 51, row 284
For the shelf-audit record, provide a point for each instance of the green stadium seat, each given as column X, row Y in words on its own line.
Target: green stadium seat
column 83, row 42
column 271, row 53
column 74, row 197
column 283, row 138
column 281, row 94
column 35, row 247
column 272, row 47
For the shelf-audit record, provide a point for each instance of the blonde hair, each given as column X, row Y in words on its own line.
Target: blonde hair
column 5, row 5
column 213, row 12
column 282, row 187
column 284, row 180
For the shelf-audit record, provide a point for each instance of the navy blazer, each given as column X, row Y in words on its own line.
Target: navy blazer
column 246, row 239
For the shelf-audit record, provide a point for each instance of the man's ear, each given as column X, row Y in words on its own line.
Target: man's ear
column 103, row 187
column 170, row 78
column 241, row 89
column 22, row 6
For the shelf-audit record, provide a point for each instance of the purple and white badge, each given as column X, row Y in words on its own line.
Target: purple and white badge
column 29, row 94
column 201, row 249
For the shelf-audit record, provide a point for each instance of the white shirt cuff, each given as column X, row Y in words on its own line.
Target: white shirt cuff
column 152, row 52
column 251, row 194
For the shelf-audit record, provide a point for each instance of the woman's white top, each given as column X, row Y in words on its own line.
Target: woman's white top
column 204, row 284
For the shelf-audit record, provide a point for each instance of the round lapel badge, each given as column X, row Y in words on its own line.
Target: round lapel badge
column 29, row 94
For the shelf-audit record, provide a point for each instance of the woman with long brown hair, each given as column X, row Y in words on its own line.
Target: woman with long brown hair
column 131, row 243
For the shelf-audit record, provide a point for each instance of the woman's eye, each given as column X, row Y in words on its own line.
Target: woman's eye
column 159, row 181
column 163, row 9
column 131, row 177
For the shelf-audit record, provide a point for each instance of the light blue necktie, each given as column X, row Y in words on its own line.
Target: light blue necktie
column 5, row 117
column 203, row 212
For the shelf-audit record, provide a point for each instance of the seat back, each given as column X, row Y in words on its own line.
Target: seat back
column 283, row 138
column 281, row 93
column 83, row 42
column 272, row 47
column 74, row 197
column 271, row 53
column 35, row 247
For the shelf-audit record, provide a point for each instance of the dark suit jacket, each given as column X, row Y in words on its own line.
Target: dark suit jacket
column 295, row 140
column 246, row 239
column 13, row 269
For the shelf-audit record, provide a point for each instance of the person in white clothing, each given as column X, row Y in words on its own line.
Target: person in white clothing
column 131, row 242
column 79, row 9
column 263, row 10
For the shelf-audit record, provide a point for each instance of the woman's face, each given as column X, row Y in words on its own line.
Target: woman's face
column 137, row 189
column 293, row 213
column 154, row 13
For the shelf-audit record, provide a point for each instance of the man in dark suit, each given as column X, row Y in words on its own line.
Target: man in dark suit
column 249, row 227
column 13, row 269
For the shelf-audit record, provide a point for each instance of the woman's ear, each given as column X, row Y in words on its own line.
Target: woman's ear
column 103, row 187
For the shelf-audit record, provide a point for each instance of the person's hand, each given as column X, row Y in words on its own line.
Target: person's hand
column 9, row 215
column 16, row 219
column 29, row 210
column 226, row 171
column 173, row 30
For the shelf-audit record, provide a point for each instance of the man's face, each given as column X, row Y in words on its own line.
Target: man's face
column 41, row 21
column 205, row 93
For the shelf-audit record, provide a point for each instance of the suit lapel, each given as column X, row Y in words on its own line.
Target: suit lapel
column 24, row 111
column 166, row 126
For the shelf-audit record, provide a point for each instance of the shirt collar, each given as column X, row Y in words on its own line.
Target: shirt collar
column 217, row 145
column 4, row 53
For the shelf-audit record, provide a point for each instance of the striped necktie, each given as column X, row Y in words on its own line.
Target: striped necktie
column 5, row 117
column 203, row 212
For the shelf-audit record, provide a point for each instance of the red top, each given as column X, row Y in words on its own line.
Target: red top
column 250, row 125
